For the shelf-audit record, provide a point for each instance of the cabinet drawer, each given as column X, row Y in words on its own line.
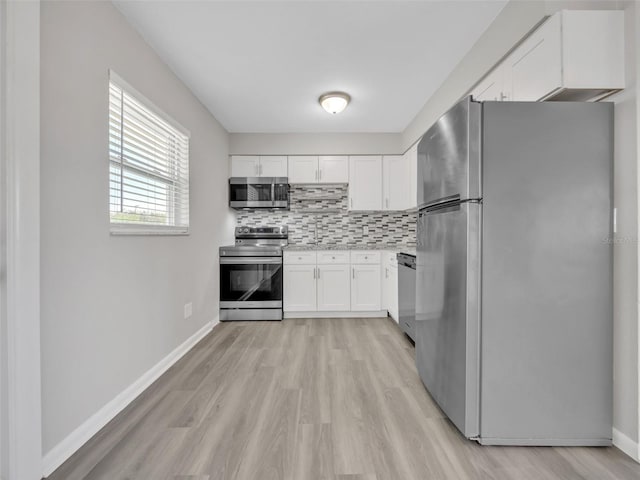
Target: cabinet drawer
column 333, row 257
column 299, row 258
column 365, row 257
column 391, row 258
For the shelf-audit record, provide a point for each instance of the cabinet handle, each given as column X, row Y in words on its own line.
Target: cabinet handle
column 319, row 174
column 353, row 273
column 315, row 175
column 386, row 272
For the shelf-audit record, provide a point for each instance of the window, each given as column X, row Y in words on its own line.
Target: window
column 148, row 166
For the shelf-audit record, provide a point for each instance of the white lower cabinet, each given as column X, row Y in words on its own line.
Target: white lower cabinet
column 390, row 285
column 365, row 288
column 333, row 288
column 332, row 281
column 299, row 286
column 393, row 308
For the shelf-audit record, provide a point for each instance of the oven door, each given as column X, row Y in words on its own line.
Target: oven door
column 251, row 282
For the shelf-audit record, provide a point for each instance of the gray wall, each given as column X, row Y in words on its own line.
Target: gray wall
column 625, row 250
column 315, row 143
column 112, row 307
column 511, row 24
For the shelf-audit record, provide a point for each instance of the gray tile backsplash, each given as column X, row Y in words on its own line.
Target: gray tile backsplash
column 319, row 214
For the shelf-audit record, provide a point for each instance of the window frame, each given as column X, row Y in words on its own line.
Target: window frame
column 132, row 228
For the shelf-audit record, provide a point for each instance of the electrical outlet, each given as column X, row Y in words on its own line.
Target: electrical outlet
column 365, row 230
column 188, row 310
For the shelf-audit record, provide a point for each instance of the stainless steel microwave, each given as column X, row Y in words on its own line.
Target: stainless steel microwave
column 259, row 192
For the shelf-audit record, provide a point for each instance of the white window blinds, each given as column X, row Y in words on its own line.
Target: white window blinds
column 148, row 166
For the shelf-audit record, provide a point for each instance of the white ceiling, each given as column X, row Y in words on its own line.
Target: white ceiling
column 261, row 66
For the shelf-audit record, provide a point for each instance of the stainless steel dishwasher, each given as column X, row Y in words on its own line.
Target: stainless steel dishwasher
column 407, row 293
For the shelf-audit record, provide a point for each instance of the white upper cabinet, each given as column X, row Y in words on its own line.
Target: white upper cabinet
column 303, row 169
column 536, row 66
column 396, row 179
column 258, row 166
column 593, row 49
column 245, row 166
column 333, row 169
column 412, row 159
column 273, row 166
column 365, row 182
column 493, row 86
column 574, row 55
column 318, row 169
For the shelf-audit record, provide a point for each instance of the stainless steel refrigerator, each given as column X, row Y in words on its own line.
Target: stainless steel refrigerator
column 514, row 271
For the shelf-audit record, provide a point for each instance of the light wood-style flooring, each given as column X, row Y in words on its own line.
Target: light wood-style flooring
column 316, row 399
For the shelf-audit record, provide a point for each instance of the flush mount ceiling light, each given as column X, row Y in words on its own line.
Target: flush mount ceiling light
column 334, row 102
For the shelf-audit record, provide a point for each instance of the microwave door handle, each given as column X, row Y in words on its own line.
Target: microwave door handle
column 273, row 194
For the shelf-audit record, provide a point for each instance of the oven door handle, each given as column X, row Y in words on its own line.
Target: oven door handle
column 250, row 260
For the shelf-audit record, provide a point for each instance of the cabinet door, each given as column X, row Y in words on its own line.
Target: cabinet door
column 365, row 182
column 536, row 65
column 244, row 166
column 333, row 288
column 299, row 288
column 386, row 286
column 392, row 306
column 395, row 181
column 333, row 169
column 491, row 88
column 593, row 49
column 273, row 166
column 303, row 169
column 365, row 288
column 412, row 160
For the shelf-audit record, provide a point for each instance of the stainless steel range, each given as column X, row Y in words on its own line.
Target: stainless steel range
column 251, row 274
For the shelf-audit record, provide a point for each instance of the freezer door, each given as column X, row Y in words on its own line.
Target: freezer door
column 448, row 311
column 449, row 156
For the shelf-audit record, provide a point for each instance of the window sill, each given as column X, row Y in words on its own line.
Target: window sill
column 145, row 230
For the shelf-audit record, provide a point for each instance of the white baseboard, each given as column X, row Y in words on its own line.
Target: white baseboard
column 627, row 445
column 67, row 447
column 376, row 314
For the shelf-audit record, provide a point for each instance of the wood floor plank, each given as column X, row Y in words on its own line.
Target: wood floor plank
column 349, row 435
column 309, row 399
column 314, row 453
column 315, row 382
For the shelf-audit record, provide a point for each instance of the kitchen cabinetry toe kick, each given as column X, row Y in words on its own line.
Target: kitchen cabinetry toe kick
column 317, row 314
column 249, row 314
